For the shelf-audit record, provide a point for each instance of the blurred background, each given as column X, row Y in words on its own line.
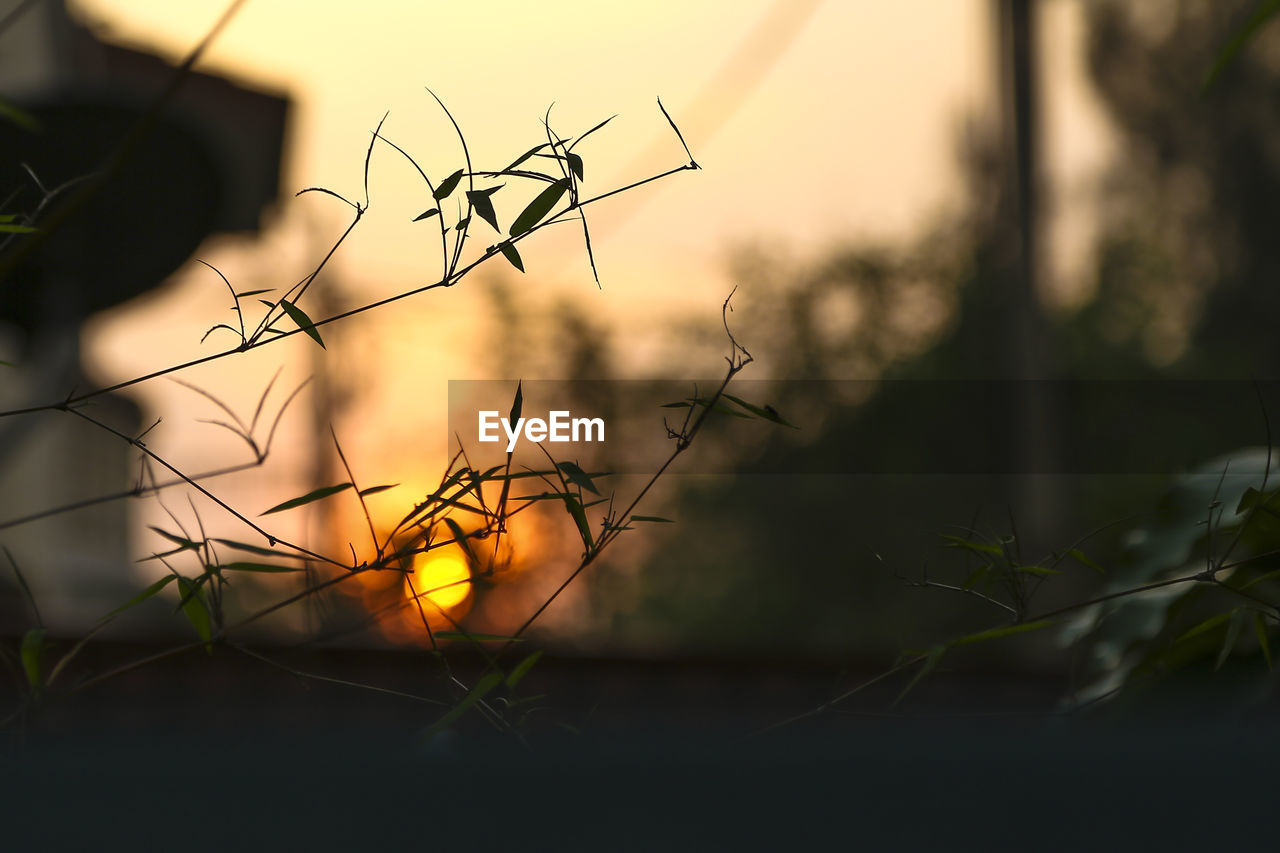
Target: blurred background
column 907, row 197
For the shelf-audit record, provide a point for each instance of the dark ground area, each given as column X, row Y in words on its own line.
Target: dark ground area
column 199, row 752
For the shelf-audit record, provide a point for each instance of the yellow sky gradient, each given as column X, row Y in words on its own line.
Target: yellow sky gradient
column 814, row 126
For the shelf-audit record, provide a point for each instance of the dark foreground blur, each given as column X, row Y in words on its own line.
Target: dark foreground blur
column 205, row 752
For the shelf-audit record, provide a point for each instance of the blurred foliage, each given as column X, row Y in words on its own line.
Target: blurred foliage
column 1183, row 286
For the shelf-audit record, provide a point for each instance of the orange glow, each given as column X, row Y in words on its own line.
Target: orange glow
column 446, row 574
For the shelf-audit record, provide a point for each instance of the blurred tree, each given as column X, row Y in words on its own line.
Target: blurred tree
column 1184, row 287
column 1188, row 267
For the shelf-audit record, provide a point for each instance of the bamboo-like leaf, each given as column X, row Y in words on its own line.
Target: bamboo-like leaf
column 462, row 223
column 577, row 476
column 539, row 207
column 480, row 638
column 318, row 494
column 575, row 165
column 580, row 518
column 426, row 214
column 1262, row 578
column 1232, row 635
column 373, row 490
column 1038, row 571
column 266, row 568
column 522, row 669
column 975, row 576
column 767, row 412
column 247, row 293
column 482, row 688
column 655, row 518
column 928, row 665
column 252, row 549
column 17, row 229
column 304, row 322
column 183, row 543
column 13, row 113
column 447, row 186
column 1079, row 556
column 969, row 545
column 1250, row 497
column 461, row 538
column 150, row 591
column 525, row 156
column 1006, row 631
column 509, row 252
column 483, row 205
column 32, row 654
column 193, row 607
column 1200, row 628
column 1263, row 13
column 1264, row 637
column 591, row 131
column 517, row 405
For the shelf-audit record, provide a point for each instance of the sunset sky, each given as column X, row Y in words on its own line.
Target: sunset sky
column 816, row 124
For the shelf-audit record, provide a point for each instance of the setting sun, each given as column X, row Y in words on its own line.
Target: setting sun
column 444, row 573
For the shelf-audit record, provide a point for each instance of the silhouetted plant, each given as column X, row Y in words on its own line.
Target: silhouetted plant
column 488, row 498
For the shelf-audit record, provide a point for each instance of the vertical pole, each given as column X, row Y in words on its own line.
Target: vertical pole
column 1035, row 497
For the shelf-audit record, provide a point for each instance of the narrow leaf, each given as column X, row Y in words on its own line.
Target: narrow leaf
column 525, row 156
column 927, row 666
column 426, row 214
column 483, row 206
column 144, row 595
column 1264, row 639
column 17, row 229
column 1006, row 631
column 693, row 163
column 481, row 638
column 517, row 404
column 577, row 476
column 1264, row 12
column 1207, row 625
column 977, row 575
column 1229, row 641
column 509, row 252
column 249, row 293
column 304, row 322
column 575, row 165
column 1078, row 555
column 1248, row 499
column 482, row 688
column 195, row 610
column 522, row 669
column 252, row 549
column 318, row 494
column 968, row 545
column 267, row 568
column 447, row 186
column 580, row 518
column 768, row 413
column 461, row 538
column 184, row 544
column 13, row 113
column 591, row 131
column 373, row 490
column 656, row 518
column 1038, row 571
column 32, row 653
column 539, row 207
